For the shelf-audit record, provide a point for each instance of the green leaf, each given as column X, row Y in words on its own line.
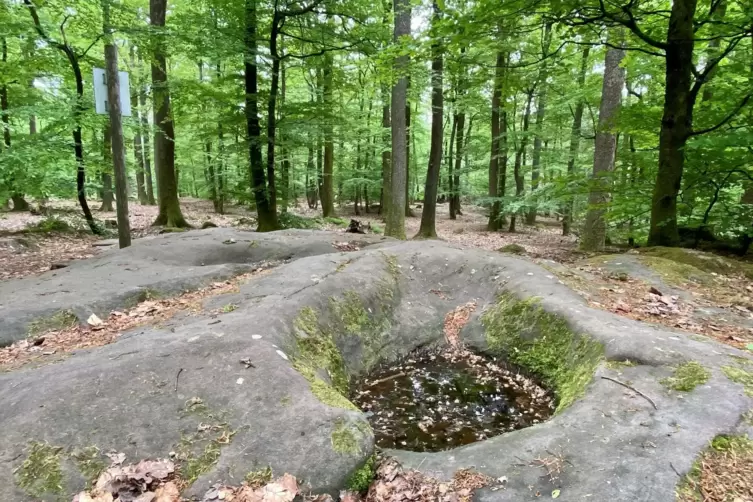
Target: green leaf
column 555, row 493
column 749, row 347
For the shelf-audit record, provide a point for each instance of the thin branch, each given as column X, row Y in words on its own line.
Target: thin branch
column 302, row 10
column 97, row 39
column 633, row 389
column 726, row 119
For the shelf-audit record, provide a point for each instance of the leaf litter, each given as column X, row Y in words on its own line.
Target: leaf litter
column 97, row 332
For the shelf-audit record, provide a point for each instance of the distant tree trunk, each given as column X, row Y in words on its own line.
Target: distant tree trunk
column 429, row 213
column 519, row 154
column 455, row 199
column 105, row 176
column 396, row 214
column 494, row 175
column 116, row 131
column 277, row 20
column 540, row 111
column 567, row 218
column 386, row 154
column 328, row 196
column 164, row 139
column 408, row 135
column 19, row 203
column 138, row 147
column 144, row 134
column 595, row 228
column 267, row 217
column 285, row 161
column 450, row 160
column 312, row 195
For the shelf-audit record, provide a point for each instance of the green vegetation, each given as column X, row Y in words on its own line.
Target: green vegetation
column 229, row 308
column 51, row 224
column 687, row 377
column 40, row 473
column 63, row 319
column 742, row 373
column 89, row 462
column 724, row 461
column 292, row 220
column 198, row 451
column 347, row 436
column 705, row 262
column 617, row 365
column 512, row 249
column 676, row 273
column 543, row 343
column 259, row 478
column 360, row 480
column 196, row 465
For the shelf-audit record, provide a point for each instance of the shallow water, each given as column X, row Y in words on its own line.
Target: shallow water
column 443, row 401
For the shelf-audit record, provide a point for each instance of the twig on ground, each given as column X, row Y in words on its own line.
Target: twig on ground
column 644, row 396
column 176, row 379
column 386, row 379
column 676, row 471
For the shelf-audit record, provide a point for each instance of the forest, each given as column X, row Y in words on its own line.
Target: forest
column 628, row 121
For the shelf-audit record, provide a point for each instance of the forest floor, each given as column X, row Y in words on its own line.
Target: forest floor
column 706, row 295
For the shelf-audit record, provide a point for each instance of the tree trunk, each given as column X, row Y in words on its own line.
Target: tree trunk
column 116, row 132
column 219, row 172
column 567, row 218
column 328, row 196
column 271, row 117
column 455, row 199
column 170, row 214
column 105, row 176
column 386, row 154
column 145, row 147
column 540, row 111
column 450, row 160
column 519, row 181
column 676, row 124
column 138, row 147
column 19, row 203
column 396, row 213
column 429, row 213
column 267, row 217
column 408, row 136
column 605, row 147
column 494, row 213
column 285, row 161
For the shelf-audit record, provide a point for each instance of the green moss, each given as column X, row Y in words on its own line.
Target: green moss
column 89, row 462
column 317, row 350
column 702, row 261
column 343, row 265
column 229, row 307
column 687, row 377
column 259, row 478
column 143, row 295
column 40, row 473
column 512, row 249
column 747, row 417
column 393, row 266
column 676, row 273
column 616, row 365
column 346, row 436
column 543, row 343
column 63, row 319
column 51, row 224
column 196, row 465
column 336, row 221
column 740, row 374
column 726, row 443
column 376, row 229
column 361, row 479
column 286, row 400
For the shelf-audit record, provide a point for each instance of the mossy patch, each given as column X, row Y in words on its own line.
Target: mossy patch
column 89, row 462
column 229, row 308
column 63, row 319
column 361, row 479
column 617, row 365
column 702, row 261
column 255, row 479
column 676, row 273
column 687, row 377
column 543, row 343
column 742, row 373
column 40, row 473
column 347, row 436
column 512, row 249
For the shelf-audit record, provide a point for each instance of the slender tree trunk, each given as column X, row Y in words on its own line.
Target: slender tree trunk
column 567, row 218
column 19, row 203
column 494, row 175
column 386, row 154
column 396, row 214
column 519, row 155
column 271, row 116
column 267, row 216
column 429, row 213
column 540, row 111
column 105, row 176
column 455, row 199
column 408, row 136
column 145, row 147
column 220, row 164
column 677, row 122
column 138, row 147
column 450, row 160
column 116, row 131
column 285, row 161
column 605, row 147
column 328, row 202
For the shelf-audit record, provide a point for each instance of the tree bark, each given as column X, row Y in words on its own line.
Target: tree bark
column 519, row 181
column 19, row 203
column 328, row 196
column 220, row 164
column 144, row 133
column 116, row 132
column 408, row 136
column 429, row 213
column 540, row 112
column 605, row 147
column 170, row 214
column 676, row 125
column 567, row 218
column 138, row 147
column 450, row 159
column 386, row 154
column 455, row 198
column 396, row 214
column 271, row 117
column 267, row 217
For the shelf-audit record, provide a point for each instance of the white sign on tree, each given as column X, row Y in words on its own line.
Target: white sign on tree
column 100, row 93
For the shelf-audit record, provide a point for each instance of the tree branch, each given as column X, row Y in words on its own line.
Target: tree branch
column 726, row 119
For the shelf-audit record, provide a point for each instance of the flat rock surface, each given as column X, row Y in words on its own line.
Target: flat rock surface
column 157, row 389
